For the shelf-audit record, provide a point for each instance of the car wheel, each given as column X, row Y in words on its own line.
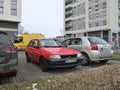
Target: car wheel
column 103, row 61
column 43, row 65
column 14, row 73
column 85, row 60
column 27, row 58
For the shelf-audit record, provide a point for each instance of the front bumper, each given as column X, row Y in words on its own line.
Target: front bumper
column 9, row 67
column 66, row 62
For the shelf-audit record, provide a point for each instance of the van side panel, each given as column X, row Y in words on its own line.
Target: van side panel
column 26, row 39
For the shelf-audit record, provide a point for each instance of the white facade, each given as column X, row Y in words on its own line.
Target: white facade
column 93, row 18
column 10, row 15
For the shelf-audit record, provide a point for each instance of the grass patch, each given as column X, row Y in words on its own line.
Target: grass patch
column 102, row 78
column 116, row 55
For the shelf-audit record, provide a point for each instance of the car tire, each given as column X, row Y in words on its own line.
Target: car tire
column 103, row 61
column 27, row 58
column 14, row 73
column 73, row 66
column 86, row 59
column 43, row 65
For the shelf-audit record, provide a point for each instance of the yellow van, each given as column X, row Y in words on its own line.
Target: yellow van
column 22, row 40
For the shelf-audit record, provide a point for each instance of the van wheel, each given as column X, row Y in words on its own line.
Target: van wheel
column 85, row 60
column 27, row 58
column 43, row 65
column 103, row 61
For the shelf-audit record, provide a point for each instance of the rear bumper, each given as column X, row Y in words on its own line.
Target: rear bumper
column 9, row 67
column 63, row 63
column 98, row 56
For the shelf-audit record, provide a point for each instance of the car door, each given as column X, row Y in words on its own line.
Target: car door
column 30, row 49
column 34, row 50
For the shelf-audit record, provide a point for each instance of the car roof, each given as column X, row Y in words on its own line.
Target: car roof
column 81, row 37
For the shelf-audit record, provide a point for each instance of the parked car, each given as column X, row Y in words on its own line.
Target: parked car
column 8, row 55
column 49, row 53
column 92, row 48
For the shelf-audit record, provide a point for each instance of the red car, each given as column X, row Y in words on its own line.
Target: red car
column 49, row 53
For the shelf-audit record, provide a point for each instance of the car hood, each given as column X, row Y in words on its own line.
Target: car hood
column 61, row 51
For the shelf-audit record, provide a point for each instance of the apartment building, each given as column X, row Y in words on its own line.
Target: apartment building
column 10, row 16
column 93, row 18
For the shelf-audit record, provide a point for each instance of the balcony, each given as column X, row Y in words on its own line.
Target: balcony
column 68, row 13
column 68, row 9
column 69, row 25
column 67, row 2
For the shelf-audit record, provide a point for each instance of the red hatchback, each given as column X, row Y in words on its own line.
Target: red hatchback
column 49, row 53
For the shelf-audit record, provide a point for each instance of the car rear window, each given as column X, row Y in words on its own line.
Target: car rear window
column 4, row 39
column 94, row 40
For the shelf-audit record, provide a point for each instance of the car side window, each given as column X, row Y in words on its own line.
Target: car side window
column 33, row 43
column 75, row 41
column 66, row 42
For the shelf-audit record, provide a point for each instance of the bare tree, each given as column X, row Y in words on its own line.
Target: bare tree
column 22, row 29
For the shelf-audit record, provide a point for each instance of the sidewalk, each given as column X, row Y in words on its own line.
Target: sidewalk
column 116, row 49
column 116, row 53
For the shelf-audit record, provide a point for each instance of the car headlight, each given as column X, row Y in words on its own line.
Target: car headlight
column 79, row 55
column 55, row 57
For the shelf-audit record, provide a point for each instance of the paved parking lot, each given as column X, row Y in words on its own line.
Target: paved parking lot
column 31, row 71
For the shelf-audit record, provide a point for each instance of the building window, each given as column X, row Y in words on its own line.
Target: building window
column 97, row 24
column 1, row 1
column 14, row 12
column 1, row 10
column 104, row 23
column 90, row 25
column 14, row 2
column 104, row 5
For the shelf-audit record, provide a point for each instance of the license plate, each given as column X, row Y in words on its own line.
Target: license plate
column 70, row 61
column 104, row 49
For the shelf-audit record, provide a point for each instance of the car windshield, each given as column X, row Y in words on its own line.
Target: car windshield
column 95, row 40
column 49, row 43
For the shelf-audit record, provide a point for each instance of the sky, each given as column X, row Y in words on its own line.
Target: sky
column 43, row 16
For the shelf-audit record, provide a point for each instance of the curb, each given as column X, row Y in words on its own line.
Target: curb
column 115, row 59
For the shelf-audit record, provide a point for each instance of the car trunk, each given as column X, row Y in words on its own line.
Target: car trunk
column 5, row 54
column 105, row 50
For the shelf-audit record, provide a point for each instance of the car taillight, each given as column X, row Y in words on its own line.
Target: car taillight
column 9, row 49
column 94, row 47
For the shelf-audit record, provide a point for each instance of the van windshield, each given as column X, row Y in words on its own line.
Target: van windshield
column 17, row 39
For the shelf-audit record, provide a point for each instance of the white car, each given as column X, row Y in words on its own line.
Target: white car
column 92, row 48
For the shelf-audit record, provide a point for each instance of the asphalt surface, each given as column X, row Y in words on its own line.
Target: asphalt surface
column 31, row 71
